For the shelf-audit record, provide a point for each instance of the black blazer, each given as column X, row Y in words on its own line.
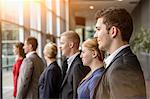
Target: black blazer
column 72, row 79
column 123, row 78
column 50, row 82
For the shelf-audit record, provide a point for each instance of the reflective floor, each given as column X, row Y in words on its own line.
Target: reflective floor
column 7, row 84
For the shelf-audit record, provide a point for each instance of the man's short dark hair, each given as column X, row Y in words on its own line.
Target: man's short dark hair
column 33, row 42
column 118, row 17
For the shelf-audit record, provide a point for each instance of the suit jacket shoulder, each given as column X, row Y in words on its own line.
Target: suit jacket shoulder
column 72, row 79
column 122, row 79
column 30, row 71
column 49, row 82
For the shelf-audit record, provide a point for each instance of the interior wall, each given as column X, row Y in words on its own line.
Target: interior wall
column 141, row 18
column 141, row 15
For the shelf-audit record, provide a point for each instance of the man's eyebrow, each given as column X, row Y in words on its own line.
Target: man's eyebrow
column 97, row 27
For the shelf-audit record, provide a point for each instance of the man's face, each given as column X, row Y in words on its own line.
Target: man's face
column 64, row 46
column 26, row 47
column 102, row 35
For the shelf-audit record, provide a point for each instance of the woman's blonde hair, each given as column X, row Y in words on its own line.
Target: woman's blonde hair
column 92, row 44
column 50, row 50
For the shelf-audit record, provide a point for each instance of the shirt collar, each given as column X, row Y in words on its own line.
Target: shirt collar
column 109, row 59
column 30, row 53
column 70, row 59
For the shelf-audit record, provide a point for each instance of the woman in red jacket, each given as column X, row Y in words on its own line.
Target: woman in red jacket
column 20, row 55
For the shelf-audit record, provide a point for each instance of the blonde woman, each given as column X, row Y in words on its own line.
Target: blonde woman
column 50, row 80
column 93, row 58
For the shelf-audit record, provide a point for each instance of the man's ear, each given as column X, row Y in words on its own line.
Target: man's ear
column 114, row 31
column 71, row 44
column 30, row 47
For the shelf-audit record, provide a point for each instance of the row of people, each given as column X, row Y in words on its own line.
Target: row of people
column 30, row 70
column 50, row 79
column 122, row 77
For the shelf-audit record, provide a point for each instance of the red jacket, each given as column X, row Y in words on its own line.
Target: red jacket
column 16, row 68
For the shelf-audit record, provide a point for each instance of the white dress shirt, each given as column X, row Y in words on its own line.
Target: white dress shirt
column 70, row 60
column 30, row 53
column 109, row 59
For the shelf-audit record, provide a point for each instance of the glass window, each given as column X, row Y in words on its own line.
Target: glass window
column 49, row 4
column 49, row 22
column 58, row 7
column 49, row 16
column 58, row 17
column 58, row 25
column 37, row 35
column 10, row 35
column 58, row 30
column 15, row 7
column 35, row 15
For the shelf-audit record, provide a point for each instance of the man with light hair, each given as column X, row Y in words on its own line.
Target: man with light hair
column 75, row 71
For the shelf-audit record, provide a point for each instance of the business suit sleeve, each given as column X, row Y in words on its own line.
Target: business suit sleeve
column 24, row 78
column 48, row 90
column 79, row 74
column 125, row 83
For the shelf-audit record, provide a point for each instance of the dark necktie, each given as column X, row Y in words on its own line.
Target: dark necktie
column 64, row 68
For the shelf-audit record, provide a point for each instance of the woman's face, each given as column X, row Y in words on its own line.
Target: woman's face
column 15, row 50
column 86, row 56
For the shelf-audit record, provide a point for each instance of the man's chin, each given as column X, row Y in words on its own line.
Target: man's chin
column 63, row 54
column 101, row 48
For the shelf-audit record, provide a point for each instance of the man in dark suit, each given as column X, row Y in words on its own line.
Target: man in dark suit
column 64, row 67
column 75, row 70
column 123, row 77
column 31, row 69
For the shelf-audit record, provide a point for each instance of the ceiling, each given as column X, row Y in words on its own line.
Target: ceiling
column 82, row 9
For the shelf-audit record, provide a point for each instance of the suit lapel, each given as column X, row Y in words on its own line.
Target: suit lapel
column 123, row 51
column 66, row 76
column 65, row 79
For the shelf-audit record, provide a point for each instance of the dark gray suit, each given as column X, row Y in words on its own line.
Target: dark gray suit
column 123, row 79
column 72, row 79
column 30, row 71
